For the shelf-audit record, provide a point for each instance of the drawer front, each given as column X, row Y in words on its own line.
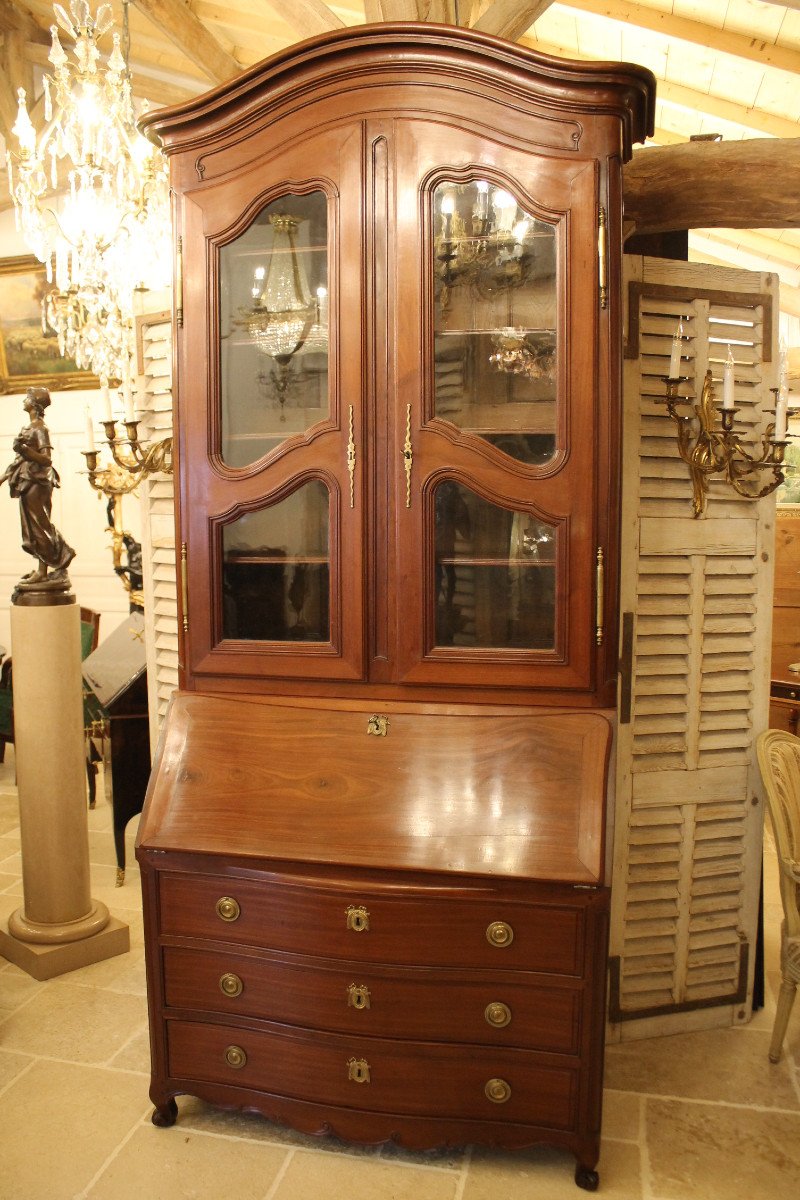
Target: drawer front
column 415, row 927
column 413, row 1003
column 376, row 1075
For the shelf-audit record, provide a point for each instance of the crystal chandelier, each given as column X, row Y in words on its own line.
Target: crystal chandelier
column 91, row 196
column 285, row 318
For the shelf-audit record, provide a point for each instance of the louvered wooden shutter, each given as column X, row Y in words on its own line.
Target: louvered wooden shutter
column 158, row 522
column 694, row 665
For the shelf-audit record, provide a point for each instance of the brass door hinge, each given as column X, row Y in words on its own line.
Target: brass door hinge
column 600, row 587
column 184, row 587
column 602, row 256
column 179, row 284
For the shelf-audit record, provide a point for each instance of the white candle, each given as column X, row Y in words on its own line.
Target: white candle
column 105, row 397
column 727, row 382
column 675, row 356
column 89, row 430
column 781, row 416
column 127, row 399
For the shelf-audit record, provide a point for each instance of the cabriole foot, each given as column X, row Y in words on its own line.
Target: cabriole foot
column 165, row 1115
column 586, row 1178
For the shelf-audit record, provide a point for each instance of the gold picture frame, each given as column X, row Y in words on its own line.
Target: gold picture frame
column 29, row 357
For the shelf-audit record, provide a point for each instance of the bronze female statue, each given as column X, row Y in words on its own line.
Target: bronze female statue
column 31, row 479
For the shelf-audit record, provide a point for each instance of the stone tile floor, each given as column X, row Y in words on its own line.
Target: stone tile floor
column 697, row 1115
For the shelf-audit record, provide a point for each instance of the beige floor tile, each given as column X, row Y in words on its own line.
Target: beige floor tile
column 545, row 1173
column 16, row 990
column 341, row 1178
column 60, row 1123
column 160, row 1164
column 717, row 1064
column 8, row 825
column 713, row 1152
column 449, row 1157
column 196, row 1114
column 135, row 1056
column 10, row 864
column 80, row 1024
column 11, row 1064
column 621, row 1115
column 123, row 973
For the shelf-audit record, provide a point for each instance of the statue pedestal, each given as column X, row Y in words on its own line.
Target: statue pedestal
column 59, row 926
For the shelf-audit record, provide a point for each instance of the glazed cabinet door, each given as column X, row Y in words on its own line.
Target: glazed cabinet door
column 495, row 441
column 271, row 413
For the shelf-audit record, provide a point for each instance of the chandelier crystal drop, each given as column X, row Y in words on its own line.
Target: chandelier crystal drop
column 91, row 196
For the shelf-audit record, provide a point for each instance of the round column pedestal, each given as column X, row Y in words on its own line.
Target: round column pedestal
column 59, row 926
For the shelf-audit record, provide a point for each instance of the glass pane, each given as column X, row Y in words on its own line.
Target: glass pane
column 276, row 570
column 274, row 328
column 495, row 338
column 495, row 574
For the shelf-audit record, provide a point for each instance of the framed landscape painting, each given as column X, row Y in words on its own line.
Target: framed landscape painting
column 29, row 357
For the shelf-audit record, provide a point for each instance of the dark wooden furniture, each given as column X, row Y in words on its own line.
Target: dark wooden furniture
column 398, row 373
column 116, row 677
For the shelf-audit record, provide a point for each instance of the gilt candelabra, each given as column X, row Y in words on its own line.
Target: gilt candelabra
column 709, row 449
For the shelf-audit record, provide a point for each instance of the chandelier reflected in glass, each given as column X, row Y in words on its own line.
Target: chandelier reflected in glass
column 91, row 196
column 285, row 318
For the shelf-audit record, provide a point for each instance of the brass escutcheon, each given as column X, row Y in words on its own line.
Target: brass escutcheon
column 497, row 1014
column 498, row 1091
column 499, row 933
column 358, row 1070
column 358, row 997
column 235, row 1057
column 228, row 908
column 378, row 725
column 357, row 918
column 230, row 984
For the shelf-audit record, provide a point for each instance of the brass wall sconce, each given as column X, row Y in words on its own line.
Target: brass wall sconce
column 131, row 460
column 708, row 449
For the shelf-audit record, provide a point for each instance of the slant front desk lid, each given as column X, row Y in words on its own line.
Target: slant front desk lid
column 404, row 787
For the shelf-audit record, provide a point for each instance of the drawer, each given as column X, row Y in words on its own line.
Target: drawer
column 376, row 1075
column 415, row 926
column 404, row 1002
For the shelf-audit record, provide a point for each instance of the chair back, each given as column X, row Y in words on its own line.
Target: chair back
column 779, row 760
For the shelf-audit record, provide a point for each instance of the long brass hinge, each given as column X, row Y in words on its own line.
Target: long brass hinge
column 179, row 284
column 184, row 588
column 600, row 588
column 602, row 256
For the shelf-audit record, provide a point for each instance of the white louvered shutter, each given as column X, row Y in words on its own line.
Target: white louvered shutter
column 694, row 687
column 158, row 523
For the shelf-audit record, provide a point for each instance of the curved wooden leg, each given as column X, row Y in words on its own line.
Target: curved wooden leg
column 782, row 1014
column 165, row 1114
column 586, row 1178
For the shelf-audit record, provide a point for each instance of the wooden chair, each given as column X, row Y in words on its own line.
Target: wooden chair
column 779, row 760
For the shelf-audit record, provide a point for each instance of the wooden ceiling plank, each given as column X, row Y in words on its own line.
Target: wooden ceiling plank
column 20, row 18
column 398, row 10
column 713, row 184
column 191, row 36
column 306, row 17
column 723, row 41
column 372, row 11
column 769, row 248
column 441, row 11
column 510, row 18
column 754, row 120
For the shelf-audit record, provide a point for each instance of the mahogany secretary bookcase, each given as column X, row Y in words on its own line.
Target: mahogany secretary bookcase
column 373, row 850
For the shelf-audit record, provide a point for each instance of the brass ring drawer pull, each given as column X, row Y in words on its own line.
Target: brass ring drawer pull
column 498, row 1091
column 357, row 918
column 228, row 909
column 497, row 1014
column 230, row 984
column 235, row 1057
column 499, row 933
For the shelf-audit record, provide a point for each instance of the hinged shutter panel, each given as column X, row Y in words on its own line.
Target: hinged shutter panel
column 158, row 522
column 687, row 855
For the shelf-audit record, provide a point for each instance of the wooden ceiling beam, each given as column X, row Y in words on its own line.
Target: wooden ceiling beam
column 510, row 18
column 306, row 17
column 733, row 185
column 722, row 41
column 190, row 35
column 20, row 19
column 398, row 10
column 756, row 120
column 441, row 11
